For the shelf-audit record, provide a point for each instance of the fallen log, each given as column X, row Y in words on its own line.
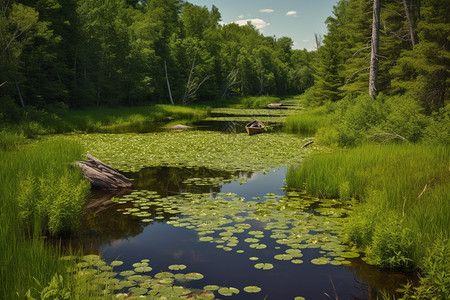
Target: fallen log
column 102, row 176
column 306, row 144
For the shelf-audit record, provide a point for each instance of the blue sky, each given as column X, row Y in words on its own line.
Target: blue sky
column 297, row 19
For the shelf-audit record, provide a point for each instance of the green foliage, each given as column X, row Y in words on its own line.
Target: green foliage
column 257, row 102
column 438, row 130
column 26, row 176
column 436, row 280
column 307, row 121
column 358, row 119
column 10, row 141
column 403, row 210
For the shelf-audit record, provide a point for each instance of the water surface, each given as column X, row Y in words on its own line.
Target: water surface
column 173, row 234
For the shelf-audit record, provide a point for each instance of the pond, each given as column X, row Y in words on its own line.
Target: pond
column 237, row 235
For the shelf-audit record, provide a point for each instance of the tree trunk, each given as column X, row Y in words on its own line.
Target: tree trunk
column 168, row 84
column 16, row 81
column 102, row 176
column 373, row 77
column 410, row 26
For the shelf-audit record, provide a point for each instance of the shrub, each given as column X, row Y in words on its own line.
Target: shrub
column 438, row 130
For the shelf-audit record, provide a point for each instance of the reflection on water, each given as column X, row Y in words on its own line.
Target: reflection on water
column 128, row 238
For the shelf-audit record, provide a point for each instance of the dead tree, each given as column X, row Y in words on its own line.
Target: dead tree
column 231, row 80
column 100, row 175
column 193, row 83
column 410, row 26
column 318, row 39
column 373, row 76
column 168, row 84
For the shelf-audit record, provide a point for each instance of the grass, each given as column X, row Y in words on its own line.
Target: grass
column 39, row 193
column 308, row 121
column 32, row 123
column 404, row 202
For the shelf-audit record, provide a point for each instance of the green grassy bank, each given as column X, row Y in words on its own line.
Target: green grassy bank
column 40, row 194
column 402, row 215
column 58, row 119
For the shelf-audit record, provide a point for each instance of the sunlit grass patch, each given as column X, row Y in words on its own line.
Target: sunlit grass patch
column 308, row 121
column 40, row 192
column 403, row 192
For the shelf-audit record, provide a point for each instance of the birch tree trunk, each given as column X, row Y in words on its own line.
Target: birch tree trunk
column 373, row 77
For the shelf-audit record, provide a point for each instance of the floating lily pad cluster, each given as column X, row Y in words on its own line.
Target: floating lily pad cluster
column 214, row 150
column 292, row 222
column 95, row 274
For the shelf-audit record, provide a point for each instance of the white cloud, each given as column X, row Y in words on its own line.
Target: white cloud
column 241, row 16
column 258, row 23
column 291, row 13
column 266, row 10
column 305, row 41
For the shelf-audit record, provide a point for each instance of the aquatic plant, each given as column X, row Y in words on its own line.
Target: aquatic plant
column 214, row 150
column 404, row 202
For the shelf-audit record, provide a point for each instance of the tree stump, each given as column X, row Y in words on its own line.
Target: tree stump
column 102, row 176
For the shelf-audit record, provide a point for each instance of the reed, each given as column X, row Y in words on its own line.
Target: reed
column 308, row 121
column 403, row 197
column 40, row 193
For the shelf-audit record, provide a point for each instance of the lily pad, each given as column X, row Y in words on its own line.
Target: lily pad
column 177, row 267
column 224, row 291
column 194, row 276
column 252, row 289
column 264, row 266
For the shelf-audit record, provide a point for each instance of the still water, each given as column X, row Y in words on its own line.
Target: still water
column 164, row 218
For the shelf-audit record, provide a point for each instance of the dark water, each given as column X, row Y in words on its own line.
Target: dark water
column 123, row 237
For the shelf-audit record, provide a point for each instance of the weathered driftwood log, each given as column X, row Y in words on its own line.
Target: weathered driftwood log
column 101, row 175
column 307, row 144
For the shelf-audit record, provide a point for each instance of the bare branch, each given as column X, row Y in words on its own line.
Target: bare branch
column 353, row 75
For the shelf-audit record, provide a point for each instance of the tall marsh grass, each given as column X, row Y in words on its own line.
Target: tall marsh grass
column 308, row 121
column 40, row 192
column 404, row 200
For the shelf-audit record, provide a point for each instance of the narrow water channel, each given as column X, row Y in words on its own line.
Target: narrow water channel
column 237, row 229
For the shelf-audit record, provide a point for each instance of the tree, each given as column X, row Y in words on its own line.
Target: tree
column 373, row 77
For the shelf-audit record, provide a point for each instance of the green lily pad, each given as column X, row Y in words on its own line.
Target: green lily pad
column 143, row 269
column 177, row 267
column 127, row 273
column 138, row 291
column 163, row 275
column 116, row 263
column 258, row 246
column 211, row 287
column 194, row 276
column 252, row 289
column 320, row 261
column 224, row 291
column 264, row 266
column 283, row 257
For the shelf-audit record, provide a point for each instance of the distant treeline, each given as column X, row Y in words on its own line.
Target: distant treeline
column 90, row 52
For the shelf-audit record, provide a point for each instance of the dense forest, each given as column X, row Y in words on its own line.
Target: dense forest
column 84, row 53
